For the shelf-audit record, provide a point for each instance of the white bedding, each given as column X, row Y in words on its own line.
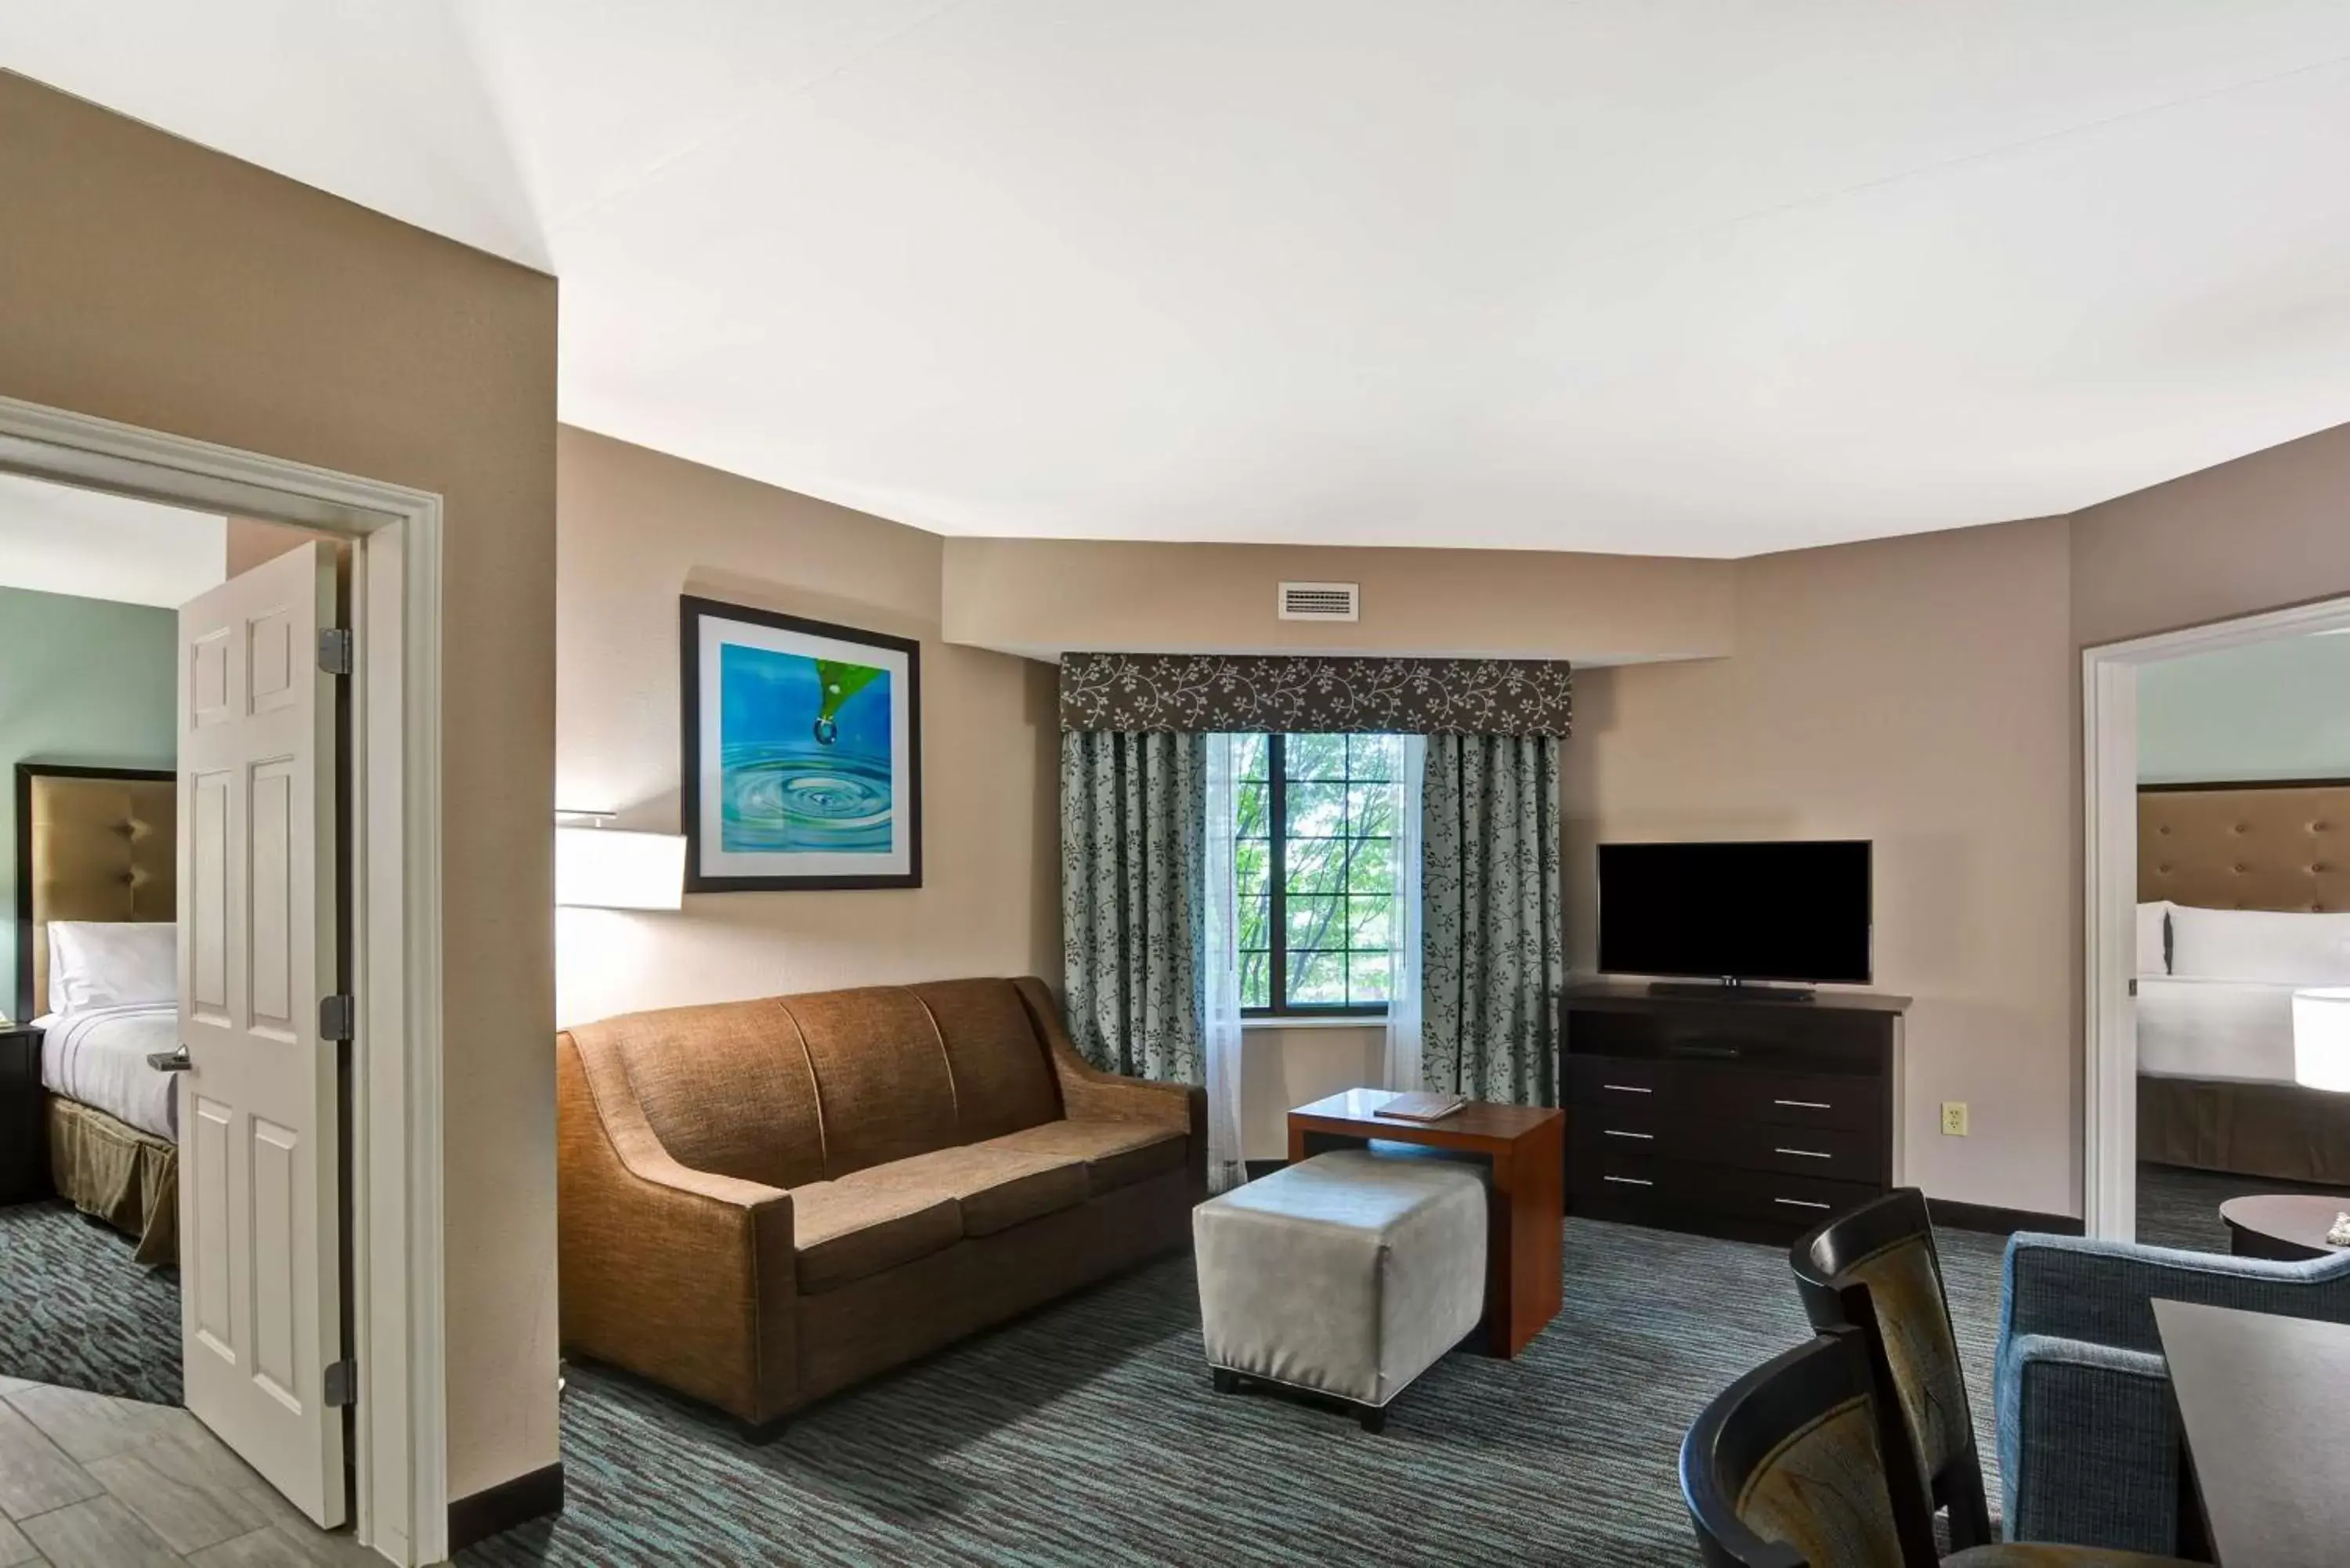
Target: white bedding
column 98, row 1056
column 2189, row 1027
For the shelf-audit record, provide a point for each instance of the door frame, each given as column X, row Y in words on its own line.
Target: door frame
column 400, row 1503
column 2109, row 889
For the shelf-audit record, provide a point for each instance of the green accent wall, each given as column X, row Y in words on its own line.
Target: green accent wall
column 2270, row 710
column 85, row 681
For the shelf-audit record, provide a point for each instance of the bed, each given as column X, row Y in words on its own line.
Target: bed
column 2244, row 892
column 97, row 852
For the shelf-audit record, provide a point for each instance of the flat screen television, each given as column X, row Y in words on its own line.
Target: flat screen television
column 1786, row 910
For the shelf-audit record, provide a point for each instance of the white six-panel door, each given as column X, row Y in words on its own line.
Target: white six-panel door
column 260, row 1220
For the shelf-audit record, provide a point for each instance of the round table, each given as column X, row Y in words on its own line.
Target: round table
column 2287, row 1225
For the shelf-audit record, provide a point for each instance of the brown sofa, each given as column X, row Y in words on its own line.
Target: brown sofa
column 765, row 1201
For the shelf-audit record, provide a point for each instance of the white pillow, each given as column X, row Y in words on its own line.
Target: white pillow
column 95, row 963
column 2273, row 945
column 2153, row 940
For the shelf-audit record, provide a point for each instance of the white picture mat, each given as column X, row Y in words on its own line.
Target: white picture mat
column 714, row 860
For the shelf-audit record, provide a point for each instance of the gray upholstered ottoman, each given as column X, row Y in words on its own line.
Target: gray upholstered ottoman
column 1348, row 1274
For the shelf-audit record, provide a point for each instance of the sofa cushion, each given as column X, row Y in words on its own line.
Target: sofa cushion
column 1003, row 1079
column 726, row 1088
column 843, row 1231
column 881, row 1078
column 997, row 1189
column 1116, row 1154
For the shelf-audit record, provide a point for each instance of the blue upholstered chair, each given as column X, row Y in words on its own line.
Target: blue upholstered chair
column 2088, row 1438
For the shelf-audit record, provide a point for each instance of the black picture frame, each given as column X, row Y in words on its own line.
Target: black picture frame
column 692, row 611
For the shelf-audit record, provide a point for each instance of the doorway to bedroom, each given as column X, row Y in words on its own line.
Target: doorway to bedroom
column 2219, row 904
column 175, row 843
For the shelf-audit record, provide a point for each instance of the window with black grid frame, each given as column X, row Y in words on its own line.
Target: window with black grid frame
column 1314, row 860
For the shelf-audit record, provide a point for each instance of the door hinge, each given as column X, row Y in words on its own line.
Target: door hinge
column 337, row 1016
column 335, row 650
column 342, row 1384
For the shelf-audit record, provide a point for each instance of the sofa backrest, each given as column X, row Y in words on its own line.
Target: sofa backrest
column 793, row 1089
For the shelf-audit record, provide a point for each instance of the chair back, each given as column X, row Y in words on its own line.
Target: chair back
column 1876, row 1269
column 1786, row 1469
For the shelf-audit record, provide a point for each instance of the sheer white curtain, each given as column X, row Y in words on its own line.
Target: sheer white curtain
column 1404, row 920
column 1221, row 979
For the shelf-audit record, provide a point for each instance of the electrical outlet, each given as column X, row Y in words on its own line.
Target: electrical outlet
column 1954, row 1118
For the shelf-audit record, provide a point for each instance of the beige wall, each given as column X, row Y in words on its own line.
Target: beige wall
column 2261, row 533
column 150, row 281
column 1285, row 1067
column 1916, row 693
column 1048, row 596
column 637, row 529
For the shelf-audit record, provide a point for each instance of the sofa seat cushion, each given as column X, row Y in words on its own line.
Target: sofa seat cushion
column 846, row 1230
column 995, row 1188
column 1116, row 1154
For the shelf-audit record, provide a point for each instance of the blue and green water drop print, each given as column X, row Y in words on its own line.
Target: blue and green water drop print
column 803, row 754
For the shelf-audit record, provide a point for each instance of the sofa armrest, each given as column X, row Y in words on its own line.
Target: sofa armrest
column 682, row 1275
column 1091, row 1095
column 2088, row 1445
column 2103, row 1292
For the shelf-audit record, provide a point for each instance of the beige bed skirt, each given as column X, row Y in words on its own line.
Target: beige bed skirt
column 2277, row 1130
column 127, row 1178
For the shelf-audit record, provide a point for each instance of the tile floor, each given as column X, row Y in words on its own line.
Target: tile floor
column 91, row 1481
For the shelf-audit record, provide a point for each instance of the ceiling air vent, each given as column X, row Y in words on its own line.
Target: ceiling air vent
column 1321, row 601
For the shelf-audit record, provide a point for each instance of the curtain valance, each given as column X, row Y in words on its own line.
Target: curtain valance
column 1213, row 693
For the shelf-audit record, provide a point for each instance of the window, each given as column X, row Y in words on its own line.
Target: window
column 1314, row 863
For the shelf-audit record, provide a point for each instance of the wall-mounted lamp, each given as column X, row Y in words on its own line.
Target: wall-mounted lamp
column 602, row 867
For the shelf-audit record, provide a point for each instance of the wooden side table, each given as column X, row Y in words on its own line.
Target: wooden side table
column 23, row 1144
column 2290, row 1226
column 1526, row 1202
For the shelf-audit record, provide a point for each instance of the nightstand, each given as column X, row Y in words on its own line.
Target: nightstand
column 24, row 1142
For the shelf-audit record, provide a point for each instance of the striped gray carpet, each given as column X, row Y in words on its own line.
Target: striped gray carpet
column 75, row 1310
column 1087, row 1435
column 2180, row 1208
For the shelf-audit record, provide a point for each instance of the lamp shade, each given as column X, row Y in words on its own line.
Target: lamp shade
column 605, row 868
column 2320, row 1038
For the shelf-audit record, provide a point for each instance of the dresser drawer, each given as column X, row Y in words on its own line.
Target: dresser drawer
column 1782, row 1099
column 1801, row 1201
column 1631, row 1124
column 1610, row 1083
column 1607, row 1170
column 1837, row 1154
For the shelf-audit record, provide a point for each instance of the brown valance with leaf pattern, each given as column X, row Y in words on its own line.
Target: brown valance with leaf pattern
column 1227, row 693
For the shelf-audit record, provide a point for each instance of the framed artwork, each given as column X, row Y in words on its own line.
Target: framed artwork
column 803, row 752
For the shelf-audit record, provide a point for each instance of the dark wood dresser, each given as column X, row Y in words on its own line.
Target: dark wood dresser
column 24, row 1159
column 1727, row 1114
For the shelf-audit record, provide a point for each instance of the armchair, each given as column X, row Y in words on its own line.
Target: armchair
column 2088, row 1436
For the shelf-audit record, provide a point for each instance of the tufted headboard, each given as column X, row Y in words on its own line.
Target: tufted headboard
column 2283, row 846
column 92, row 844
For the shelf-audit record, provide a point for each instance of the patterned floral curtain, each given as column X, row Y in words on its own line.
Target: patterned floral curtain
column 1133, row 900
column 1492, row 954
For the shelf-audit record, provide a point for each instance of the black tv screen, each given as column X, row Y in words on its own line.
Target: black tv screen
column 1786, row 910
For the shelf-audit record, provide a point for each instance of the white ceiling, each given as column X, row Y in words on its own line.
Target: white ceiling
column 56, row 540
column 1693, row 276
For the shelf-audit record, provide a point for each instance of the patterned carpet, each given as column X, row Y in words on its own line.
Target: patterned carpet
column 75, row 1310
column 1086, row 1435
column 2179, row 1208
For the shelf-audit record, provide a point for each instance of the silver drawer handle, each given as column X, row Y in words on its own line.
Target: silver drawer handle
column 1798, row 1204
column 1627, row 1088
column 1644, row 1137
column 1806, row 1153
column 1635, row 1181
column 1805, row 1104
